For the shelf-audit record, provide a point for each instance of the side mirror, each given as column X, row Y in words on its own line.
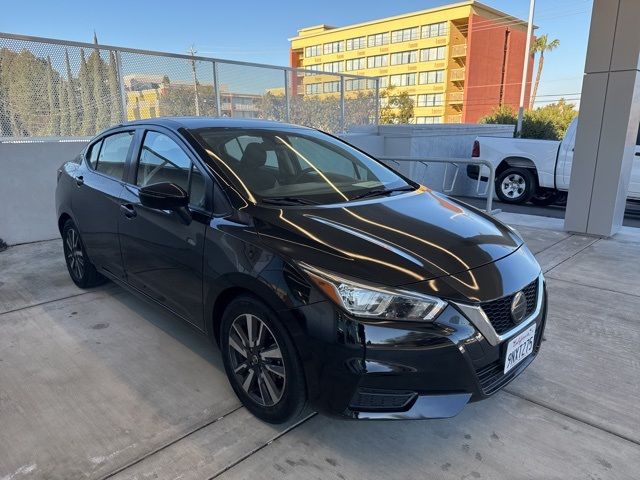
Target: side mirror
column 164, row 196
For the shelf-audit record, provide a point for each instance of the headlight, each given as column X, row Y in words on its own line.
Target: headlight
column 376, row 302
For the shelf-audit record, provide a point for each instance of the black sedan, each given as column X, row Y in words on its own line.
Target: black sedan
column 323, row 275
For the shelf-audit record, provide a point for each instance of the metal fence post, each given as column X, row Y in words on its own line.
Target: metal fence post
column 342, row 103
column 377, row 120
column 287, row 98
column 216, row 86
column 123, row 93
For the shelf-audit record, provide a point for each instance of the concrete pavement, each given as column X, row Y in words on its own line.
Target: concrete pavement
column 100, row 384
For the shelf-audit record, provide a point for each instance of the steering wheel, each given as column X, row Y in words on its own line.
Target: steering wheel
column 302, row 173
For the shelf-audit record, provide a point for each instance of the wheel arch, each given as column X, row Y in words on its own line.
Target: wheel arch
column 224, row 289
column 62, row 220
column 517, row 162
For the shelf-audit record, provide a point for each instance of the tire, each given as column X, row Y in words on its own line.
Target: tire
column 272, row 386
column 515, row 185
column 81, row 270
column 544, row 197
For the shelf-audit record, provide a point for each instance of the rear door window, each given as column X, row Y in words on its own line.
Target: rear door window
column 113, row 154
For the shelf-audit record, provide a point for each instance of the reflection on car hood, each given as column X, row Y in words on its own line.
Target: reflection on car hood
column 393, row 241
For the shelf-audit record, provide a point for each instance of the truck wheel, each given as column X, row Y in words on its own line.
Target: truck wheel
column 515, row 185
column 544, row 197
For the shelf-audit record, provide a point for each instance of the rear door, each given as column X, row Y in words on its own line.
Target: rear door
column 96, row 200
column 163, row 255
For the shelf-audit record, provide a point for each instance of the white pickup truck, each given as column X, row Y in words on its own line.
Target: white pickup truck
column 535, row 170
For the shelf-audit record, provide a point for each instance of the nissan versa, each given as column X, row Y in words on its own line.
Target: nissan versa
column 323, row 275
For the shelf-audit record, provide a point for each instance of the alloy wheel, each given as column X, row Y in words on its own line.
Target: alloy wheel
column 74, row 254
column 256, row 359
column 513, row 186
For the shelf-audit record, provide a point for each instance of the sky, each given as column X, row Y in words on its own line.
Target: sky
column 258, row 31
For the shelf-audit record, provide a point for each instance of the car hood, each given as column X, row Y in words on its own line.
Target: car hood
column 393, row 241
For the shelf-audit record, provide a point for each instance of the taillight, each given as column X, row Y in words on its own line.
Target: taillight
column 475, row 151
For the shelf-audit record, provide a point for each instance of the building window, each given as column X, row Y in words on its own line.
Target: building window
column 333, row 47
column 434, row 30
column 434, row 76
column 384, row 81
column 356, row 64
column 356, row 43
column 377, row 61
column 431, row 54
column 313, row 51
column 378, row 39
column 316, row 68
column 430, row 100
column 312, row 88
column 333, row 67
column 400, row 58
column 402, row 80
column 331, row 87
column 428, row 120
column 405, row 35
column 359, row 84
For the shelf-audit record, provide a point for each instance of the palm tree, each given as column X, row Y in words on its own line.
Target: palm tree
column 541, row 45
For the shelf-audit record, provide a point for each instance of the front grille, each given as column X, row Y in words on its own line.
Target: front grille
column 492, row 378
column 499, row 311
column 381, row 400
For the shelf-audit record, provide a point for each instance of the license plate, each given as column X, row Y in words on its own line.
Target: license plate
column 519, row 348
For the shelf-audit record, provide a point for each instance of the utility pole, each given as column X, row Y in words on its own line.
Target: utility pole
column 195, row 79
column 525, row 69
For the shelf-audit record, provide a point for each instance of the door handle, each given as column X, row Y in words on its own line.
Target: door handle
column 80, row 180
column 128, row 210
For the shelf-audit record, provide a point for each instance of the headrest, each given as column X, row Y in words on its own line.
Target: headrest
column 254, row 156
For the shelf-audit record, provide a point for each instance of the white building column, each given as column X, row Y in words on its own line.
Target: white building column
column 608, row 121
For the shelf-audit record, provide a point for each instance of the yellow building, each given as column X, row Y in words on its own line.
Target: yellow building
column 457, row 62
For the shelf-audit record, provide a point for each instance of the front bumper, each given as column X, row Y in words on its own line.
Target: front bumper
column 403, row 370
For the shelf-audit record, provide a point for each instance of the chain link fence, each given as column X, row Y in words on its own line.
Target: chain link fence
column 53, row 88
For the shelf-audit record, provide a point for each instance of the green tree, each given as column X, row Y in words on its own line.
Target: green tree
column 545, row 123
column 180, row 100
column 85, row 80
column 114, row 90
column 100, row 90
column 54, row 106
column 398, row 107
column 541, row 45
column 24, row 106
column 63, row 101
column 72, row 102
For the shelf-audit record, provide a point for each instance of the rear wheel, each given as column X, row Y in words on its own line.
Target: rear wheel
column 515, row 185
column 82, row 271
column 261, row 362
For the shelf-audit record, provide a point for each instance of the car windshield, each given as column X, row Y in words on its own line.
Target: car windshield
column 300, row 166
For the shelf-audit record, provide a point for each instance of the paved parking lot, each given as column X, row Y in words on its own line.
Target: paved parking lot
column 100, row 384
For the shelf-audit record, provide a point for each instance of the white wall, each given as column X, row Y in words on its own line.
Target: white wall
column 27, row 187
column 424, row 141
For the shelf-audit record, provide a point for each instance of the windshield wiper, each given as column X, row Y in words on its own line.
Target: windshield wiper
column 382, row 191
column 288, row 201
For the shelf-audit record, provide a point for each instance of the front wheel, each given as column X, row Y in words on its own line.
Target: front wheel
column 515, row 185
column 261, row 361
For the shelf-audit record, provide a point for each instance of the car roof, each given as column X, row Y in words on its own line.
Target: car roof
column 207, row 122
